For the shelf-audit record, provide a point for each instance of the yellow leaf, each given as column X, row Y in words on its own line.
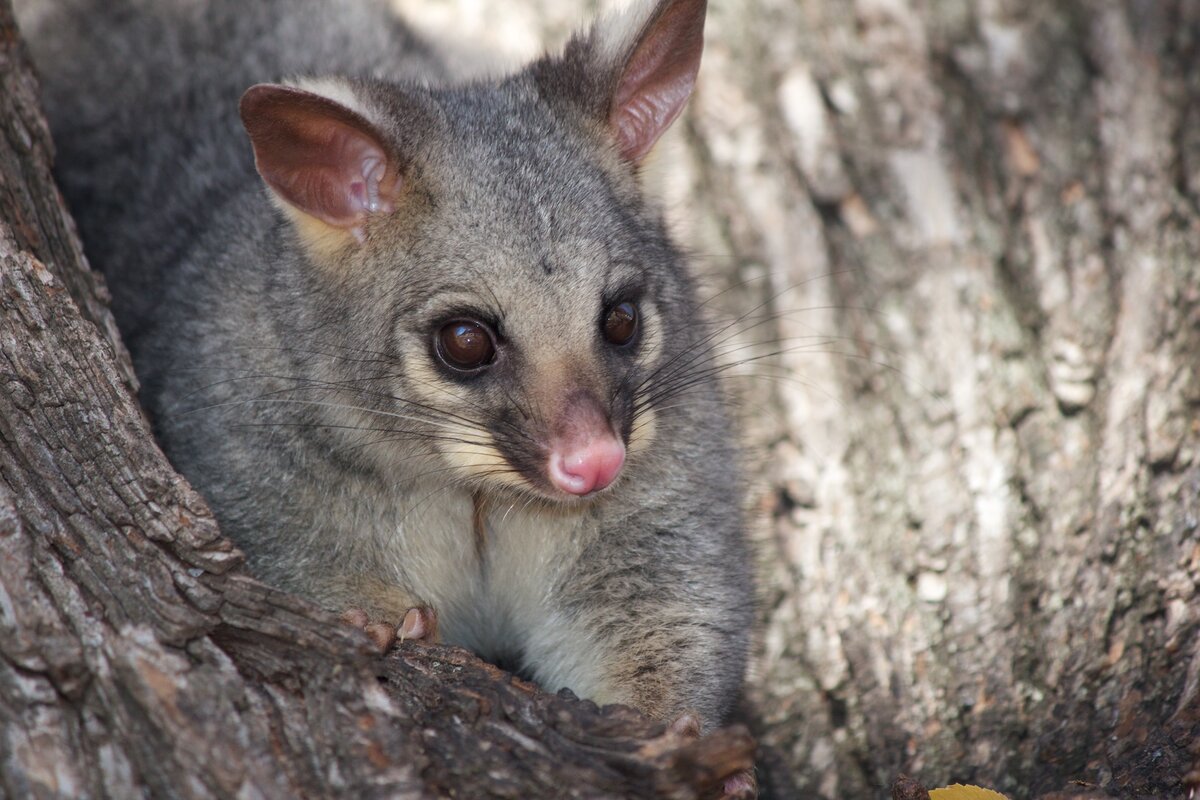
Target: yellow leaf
column 959, row 792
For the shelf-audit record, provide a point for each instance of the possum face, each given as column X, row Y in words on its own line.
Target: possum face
column 539, row 296
column 539, row 330
column 540, row 380
column 532, row 297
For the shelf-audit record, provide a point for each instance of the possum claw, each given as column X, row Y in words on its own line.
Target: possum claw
column 419, row 623
column 382, row 634
column 742, row 786
column 355, row 617
column 686, row 725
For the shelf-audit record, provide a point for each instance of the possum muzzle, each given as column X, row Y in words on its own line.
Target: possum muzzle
column 585, row 455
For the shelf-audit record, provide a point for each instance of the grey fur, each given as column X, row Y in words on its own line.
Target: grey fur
column 295, row 396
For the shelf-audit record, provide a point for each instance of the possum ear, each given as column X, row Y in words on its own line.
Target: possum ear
column 320, row 158
column 645, row 62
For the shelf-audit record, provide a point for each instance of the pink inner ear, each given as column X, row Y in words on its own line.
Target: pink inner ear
column 319, row 156
column 658, row 78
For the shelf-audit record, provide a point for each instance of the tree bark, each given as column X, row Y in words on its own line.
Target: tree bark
column 957, row 244
column 137, row 659
column 975, row 226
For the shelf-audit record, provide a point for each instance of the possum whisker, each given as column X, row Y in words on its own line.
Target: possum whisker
column 340, row 406
column 435, row 416
column 397, row 434
column 347, row 385
column 701, row 351
column 462, row 484
column 686, row 380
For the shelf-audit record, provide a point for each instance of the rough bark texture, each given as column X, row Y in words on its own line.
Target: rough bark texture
column 977, row 226
column 137, row 660
column 962, row 239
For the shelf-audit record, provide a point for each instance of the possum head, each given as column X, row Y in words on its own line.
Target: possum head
column 492, row 242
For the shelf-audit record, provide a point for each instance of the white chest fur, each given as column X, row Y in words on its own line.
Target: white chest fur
column 496, row 590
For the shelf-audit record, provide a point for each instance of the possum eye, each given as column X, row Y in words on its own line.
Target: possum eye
column 621, row 323
column 465, row 345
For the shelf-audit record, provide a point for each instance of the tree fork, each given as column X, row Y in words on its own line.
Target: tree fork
column 135, row 654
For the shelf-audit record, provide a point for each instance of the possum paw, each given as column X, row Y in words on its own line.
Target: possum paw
column 742, row 786
column 419, row 624
column 686, row 725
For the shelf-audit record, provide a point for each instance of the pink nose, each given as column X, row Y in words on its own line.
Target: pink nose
column 589, row 468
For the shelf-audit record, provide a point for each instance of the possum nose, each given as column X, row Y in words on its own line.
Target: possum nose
column 585, row 455
column 587, row 468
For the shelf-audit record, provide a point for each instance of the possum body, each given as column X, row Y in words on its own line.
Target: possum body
column 421, row 344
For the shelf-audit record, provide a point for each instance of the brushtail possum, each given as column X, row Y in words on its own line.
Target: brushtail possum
column 421, row 344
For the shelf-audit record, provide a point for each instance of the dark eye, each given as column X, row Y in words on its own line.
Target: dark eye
column 465, row 345
column 621, row 323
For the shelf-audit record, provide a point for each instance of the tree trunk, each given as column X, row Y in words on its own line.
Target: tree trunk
column 136, row 659
column 977, row 229
column 959, row 247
